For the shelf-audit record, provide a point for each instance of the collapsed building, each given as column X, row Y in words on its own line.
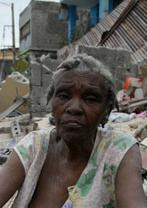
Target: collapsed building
column 118, row 40
column 123, row 32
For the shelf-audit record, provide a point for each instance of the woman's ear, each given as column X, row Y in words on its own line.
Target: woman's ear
column 104, row 119
column 106, row 115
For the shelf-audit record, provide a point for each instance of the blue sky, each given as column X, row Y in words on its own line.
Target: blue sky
column 5, row 20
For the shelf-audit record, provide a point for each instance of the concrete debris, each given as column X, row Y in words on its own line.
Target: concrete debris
column 19, row 101
column 16, row 128
column 12, row 130
column 16, row 85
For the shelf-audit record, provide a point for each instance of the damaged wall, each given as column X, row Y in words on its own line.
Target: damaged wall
column 41, row 73
column 117, row 60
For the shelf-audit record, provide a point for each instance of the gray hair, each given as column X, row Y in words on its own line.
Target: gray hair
column 85, row 63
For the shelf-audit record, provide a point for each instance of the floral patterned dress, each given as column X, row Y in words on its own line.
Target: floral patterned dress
column 95, row 187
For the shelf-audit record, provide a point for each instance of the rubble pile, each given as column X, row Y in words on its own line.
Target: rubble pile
column 19, row 86
column 13, row 129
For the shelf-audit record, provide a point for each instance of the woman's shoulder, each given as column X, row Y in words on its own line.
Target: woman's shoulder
column 118, row 138
column 34, row 143
column 123, row 139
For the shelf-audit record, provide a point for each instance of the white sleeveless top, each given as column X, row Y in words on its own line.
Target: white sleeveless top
column 95, row 187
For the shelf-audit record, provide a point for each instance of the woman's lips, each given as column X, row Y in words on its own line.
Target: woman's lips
column 72, row 124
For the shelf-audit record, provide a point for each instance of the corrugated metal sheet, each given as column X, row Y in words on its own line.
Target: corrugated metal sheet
column 129, row 34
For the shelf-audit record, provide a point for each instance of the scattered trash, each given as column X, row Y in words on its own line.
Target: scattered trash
column 121, row 117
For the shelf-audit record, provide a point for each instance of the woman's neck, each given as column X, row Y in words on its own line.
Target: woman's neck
column 79, row 150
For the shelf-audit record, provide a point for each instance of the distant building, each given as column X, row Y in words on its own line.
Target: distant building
column 6, row 54
column 41, row 31
column 44, row 27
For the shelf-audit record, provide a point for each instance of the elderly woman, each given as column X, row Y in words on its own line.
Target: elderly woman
column 77, row 163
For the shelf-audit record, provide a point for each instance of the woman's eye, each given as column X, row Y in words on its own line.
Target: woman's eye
column 92, row 99
column 63, row 95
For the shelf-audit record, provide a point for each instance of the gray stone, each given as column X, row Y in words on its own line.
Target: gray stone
column 35, row 74
column 50, row 63
column 46, row 80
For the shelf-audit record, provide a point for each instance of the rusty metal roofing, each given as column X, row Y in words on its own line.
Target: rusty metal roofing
column 125, row 27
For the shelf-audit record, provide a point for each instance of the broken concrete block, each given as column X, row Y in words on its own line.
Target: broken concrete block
column 49, row 62
column 14, row 86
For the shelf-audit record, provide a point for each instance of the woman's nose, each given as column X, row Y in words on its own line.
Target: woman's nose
column 74, row 107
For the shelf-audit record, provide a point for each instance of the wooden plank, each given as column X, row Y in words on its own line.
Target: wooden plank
column 133, row 104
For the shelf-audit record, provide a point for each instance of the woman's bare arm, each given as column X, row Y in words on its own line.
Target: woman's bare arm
column 129, row 184
column 12, row 175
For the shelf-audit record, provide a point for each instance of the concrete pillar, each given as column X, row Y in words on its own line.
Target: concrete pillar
column 94, row 16
column 103, row 8
column 72, row 16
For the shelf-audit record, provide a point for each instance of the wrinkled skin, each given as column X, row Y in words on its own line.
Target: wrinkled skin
column 78, row 105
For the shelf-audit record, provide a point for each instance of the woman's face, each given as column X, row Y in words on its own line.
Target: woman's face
column 78, row 104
